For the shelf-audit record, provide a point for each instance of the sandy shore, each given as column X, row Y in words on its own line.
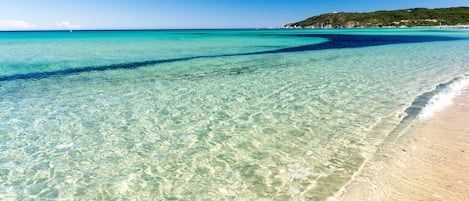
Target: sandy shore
column 430, row 162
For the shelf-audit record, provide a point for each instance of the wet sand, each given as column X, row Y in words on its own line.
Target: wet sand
column 430, row 162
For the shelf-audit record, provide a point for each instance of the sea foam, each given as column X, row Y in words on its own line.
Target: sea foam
column 444, row 98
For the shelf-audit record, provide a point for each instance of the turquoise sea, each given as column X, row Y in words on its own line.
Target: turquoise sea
column 210, row 114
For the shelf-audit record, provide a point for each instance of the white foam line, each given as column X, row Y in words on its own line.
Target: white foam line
column 443, row 99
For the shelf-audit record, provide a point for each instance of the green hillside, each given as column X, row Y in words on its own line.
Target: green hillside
column 396, row 18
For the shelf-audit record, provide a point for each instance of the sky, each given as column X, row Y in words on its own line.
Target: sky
column 184, row 14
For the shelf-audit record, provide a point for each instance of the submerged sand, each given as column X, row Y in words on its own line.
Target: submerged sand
column 430, row 162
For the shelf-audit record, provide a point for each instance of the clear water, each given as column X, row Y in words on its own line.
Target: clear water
column 207, row 114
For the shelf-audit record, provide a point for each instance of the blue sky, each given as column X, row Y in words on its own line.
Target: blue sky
column 160, row 14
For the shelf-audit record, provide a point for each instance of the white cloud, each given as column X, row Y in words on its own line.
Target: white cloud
column 15, row 24
column 67, row 25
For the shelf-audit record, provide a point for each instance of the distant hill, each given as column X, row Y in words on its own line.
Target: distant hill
column 395, row 18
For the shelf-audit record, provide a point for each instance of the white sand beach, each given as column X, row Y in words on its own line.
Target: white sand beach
column 431, row 162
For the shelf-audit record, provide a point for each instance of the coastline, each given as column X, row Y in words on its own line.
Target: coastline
column 462, row 26
column 427, row 163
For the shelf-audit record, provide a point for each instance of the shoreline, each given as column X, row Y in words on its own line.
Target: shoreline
column 427, row 163
column 463, row 26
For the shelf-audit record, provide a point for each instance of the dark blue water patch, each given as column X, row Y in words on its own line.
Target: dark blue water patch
column 338, row 41
column 131, row 65
column 334, row 41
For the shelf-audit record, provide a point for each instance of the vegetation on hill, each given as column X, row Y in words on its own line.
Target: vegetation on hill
column 396, row 18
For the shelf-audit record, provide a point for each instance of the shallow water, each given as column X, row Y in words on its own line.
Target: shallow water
column 207, row 114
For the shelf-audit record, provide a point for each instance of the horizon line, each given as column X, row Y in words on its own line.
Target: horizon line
column 135, row 29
